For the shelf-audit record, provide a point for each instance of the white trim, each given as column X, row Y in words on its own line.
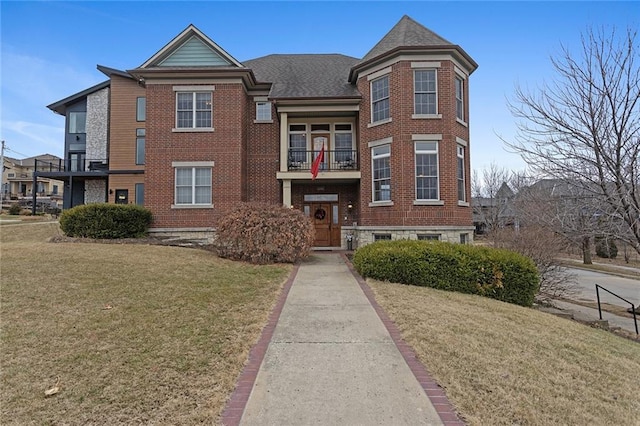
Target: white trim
column 426, row 116
column 260, row 99
column 379, row 73
column 428, row 202
column 461, row 72
column 191, row 206
column 192, row 129
column 439, row 56
column 379, row 142
column 427, row 138
column 192, row 164
column 194, row 88
column 380, row 203
column 426, row 64
column 262, row 121
column 319, row 108
column 463, row 203
column 461, row 141
column 464, row 123
column 378, row 123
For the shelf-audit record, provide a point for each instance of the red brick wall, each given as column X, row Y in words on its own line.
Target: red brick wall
column 263, row 154
column 402, row 126
column 223, row 146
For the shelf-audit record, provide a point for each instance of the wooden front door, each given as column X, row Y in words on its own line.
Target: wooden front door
column 326, row 221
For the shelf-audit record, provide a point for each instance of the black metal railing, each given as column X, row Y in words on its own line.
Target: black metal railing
column 73, row 165
column 633, row 307
column 336, row 160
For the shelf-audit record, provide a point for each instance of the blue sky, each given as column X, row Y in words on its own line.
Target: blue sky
column 50, row 49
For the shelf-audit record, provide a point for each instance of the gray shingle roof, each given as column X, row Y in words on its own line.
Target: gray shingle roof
column 305, row 75
column 406, row 33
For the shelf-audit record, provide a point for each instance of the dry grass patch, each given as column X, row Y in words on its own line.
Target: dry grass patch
column 502, row 364
column 133, row 333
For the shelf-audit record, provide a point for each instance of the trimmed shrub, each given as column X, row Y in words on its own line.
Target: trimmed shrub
column 264, row 233
column 106, row 221
column 496, row 273
column 606, row 248
column 15, row 209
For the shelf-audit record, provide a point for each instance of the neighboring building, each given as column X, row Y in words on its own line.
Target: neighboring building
column 18, row 180
column 193, row 131
column 494, row 212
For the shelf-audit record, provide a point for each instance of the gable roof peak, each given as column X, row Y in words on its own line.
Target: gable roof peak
column 205, row 51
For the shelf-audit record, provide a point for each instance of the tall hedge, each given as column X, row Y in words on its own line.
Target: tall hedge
column 495, row 273
column 108, row 221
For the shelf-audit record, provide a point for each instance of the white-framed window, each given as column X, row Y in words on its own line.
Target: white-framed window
column 460, row 174
column 425, row 92
column 427, row 181
column 263, row 111
column 140, row 145
column 381, row 172
column 380, row 109
column 459, row 98
column 194, row 110
column 141, row 108
column 192, row 186
column 464, row 238
column 297, row 144
column 343, row 143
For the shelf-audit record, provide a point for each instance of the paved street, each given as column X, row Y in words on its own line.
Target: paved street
column 624, row 287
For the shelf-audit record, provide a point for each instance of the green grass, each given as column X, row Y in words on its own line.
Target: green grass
column 130, row 333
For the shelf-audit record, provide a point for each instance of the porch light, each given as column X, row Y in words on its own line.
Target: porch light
column 349, row 207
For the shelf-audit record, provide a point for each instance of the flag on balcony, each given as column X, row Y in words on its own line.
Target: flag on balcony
column 315, row 167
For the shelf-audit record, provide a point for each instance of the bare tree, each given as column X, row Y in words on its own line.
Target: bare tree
column 584, row 126
column 491, row 195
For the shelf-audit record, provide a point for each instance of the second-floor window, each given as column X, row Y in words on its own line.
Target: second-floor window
column 380, row 109
column 460, row 98
column 140, row 145
column 425, row 93
column 77, row 122
column 263, row 111
column 194, row 110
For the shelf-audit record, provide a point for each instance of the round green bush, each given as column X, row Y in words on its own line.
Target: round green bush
column 496, row 273
column 264, row 233
column 106, row 221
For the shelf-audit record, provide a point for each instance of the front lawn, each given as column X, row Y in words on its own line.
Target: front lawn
column 502, row 364
column 129, row 334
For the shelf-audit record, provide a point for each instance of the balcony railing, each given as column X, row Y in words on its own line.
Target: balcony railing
column 334, row 161
column 73, row 165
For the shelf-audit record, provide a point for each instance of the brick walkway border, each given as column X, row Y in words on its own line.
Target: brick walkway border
column 438, row 398
column 235, row 406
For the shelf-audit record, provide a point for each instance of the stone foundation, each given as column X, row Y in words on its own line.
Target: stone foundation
column 363, row 235
column 201, row 235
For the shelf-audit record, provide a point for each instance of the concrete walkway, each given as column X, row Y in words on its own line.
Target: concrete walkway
column 331, row 359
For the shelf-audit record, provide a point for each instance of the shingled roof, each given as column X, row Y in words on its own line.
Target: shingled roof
column 406, row 33
column 305, row 75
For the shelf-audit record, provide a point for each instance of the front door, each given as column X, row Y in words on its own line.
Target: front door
column 326, row 221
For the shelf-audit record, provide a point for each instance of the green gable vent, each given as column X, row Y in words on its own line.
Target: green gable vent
column 194, row 53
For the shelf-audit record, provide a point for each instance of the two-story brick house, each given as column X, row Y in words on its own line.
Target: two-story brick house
column 193, row 131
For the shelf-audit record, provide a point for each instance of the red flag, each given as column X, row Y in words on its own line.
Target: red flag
column 316, row 163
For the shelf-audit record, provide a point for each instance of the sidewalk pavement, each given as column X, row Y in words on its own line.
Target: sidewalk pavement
column 334, row 358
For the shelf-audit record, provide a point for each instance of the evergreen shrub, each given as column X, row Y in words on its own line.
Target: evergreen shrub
column 106, row 221
column 496, row 273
